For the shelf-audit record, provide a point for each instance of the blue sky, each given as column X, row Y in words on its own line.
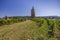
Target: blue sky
column 23, row 7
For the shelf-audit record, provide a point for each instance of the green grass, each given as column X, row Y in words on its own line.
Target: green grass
column 27, row 30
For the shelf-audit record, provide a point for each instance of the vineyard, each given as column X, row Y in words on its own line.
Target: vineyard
column 6, row 21
column 34, row 29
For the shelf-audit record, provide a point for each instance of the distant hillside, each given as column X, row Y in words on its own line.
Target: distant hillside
column 29, row 17
column 53, row 17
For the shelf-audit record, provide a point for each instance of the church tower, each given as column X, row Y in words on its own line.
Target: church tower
column 32, row 13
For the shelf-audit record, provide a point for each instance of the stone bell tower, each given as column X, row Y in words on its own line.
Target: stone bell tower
column 32, row 13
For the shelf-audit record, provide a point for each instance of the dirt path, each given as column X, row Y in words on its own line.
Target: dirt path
column 58, row 37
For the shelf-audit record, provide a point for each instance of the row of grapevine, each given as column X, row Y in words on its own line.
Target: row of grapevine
column 52, row 25
column 10, row 21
